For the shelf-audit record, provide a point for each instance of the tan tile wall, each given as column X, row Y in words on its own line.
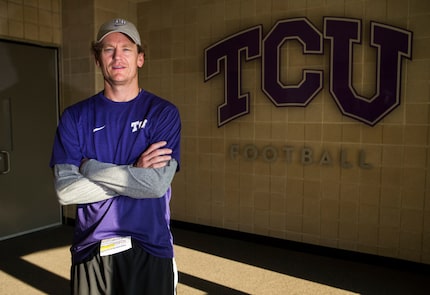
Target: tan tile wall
column 35, row 21
column 383, row 211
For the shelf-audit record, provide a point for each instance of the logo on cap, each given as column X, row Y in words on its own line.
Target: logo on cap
column 119, row 22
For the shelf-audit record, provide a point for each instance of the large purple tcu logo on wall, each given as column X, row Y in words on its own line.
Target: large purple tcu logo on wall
column 392, row 45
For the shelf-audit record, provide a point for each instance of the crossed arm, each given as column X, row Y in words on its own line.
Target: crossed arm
column 94, row 181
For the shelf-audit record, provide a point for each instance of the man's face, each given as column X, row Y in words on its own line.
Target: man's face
column 119, row 59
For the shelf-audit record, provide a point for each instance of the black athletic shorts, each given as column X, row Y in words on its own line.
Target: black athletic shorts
column 130, row 272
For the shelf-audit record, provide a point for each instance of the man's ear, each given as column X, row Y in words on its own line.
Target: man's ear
column 97, row 58
column 140, row 59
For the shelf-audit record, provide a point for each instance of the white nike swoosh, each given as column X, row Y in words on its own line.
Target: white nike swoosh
column 98, row 128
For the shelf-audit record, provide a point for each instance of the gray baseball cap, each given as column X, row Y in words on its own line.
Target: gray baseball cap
column 119, row 25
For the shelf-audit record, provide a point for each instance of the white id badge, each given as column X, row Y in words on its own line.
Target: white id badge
column 114, row 245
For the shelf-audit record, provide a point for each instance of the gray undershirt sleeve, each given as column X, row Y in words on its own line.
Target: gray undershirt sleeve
column 73, row 188
column 97, row 181
column 131, row 181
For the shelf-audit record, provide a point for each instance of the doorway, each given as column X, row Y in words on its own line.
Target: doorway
column 28, row 120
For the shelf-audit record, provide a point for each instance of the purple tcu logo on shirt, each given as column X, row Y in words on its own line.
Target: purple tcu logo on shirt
column 392, row 45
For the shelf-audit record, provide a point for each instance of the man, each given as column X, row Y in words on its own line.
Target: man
column 115, row 155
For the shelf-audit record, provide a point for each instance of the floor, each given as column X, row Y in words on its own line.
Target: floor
column 38, row 263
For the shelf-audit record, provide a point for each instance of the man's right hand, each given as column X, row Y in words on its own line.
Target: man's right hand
column 155, row 156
